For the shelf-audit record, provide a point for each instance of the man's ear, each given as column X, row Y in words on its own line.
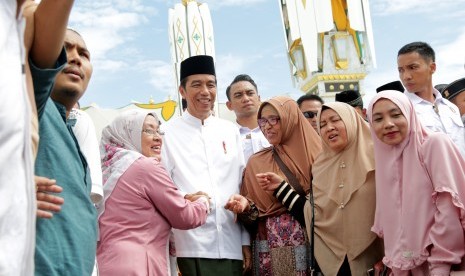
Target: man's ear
column 432, row 66
column 182, row 91
column 228, row 105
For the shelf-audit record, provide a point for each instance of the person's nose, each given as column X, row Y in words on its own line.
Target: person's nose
column 330, row 126
column 405, row 75
column 388, row 124
column 73, row 56
column 245, row 98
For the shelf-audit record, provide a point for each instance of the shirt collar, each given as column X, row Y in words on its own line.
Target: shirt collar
column 415, row 99
column 194, row 120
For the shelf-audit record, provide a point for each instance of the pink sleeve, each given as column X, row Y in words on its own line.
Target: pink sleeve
column 159, row 188
column 446, row 236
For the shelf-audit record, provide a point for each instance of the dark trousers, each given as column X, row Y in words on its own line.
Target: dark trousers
column 209, row 267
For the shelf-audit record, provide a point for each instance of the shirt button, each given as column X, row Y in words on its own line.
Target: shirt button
column 341, row 185
column 342, row 206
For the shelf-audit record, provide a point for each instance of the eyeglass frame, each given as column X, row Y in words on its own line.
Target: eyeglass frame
column 271, row 120
column 310, row 114
column 152, row 132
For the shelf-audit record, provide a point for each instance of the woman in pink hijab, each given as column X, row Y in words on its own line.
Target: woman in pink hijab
column 420, row 190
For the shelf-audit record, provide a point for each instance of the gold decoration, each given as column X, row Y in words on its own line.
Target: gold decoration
column 325, row 77
column 167, row 108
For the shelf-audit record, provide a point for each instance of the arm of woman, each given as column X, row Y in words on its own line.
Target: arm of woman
column 442, row 161
column 283, row 192
column 180, row 213
column 446, row 236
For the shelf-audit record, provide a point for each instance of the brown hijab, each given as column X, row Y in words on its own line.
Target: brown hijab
column 344, row 194
column 298, row 148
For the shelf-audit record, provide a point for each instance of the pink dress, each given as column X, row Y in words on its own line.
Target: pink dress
column 135, row 227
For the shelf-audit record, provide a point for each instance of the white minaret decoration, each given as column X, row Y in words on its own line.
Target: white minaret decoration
column 190, row 34
column 329, row 43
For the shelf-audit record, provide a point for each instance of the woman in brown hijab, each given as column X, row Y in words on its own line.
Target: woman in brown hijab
column 343, row 191
column 279, row 241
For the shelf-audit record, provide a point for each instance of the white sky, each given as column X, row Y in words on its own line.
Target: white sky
column 128, row 40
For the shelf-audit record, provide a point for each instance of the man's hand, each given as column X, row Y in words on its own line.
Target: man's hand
column 247, row 256
column 47, row 203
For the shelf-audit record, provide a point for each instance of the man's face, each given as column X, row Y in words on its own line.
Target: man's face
column 415, row 73
column 311, row 106
column 200, row 94
column 459, row 101
column 72, row 81
column 244, row 99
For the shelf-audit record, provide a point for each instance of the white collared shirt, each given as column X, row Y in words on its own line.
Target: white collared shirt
column 84, row 130
column 446, row 119
column 17, row 188
column 253, row 141
column 206, row 157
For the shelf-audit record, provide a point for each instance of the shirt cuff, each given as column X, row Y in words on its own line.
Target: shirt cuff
column 439, row 269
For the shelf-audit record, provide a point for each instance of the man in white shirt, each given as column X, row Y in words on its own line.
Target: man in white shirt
column 84, row 130
column 17, row 189
column 204, row 153
column 416, row 65
column 244, row 100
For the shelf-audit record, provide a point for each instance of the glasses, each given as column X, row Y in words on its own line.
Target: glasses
column 310, row 114
column 272, row 121
column 153, row 132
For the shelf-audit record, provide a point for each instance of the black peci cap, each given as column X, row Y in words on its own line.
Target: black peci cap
column 197, row 65
column 394, row 85
column 453, row 89
column 350, row 97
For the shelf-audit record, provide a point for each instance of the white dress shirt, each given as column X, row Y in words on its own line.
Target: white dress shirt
column 442, row 116
column 207, row 157
column 253, row 141
column 17, row 188
column 84, row 130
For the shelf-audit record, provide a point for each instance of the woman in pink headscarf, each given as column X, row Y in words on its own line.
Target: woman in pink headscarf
column 141, row 203
column 420, row 190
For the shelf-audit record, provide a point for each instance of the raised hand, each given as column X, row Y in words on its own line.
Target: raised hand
column 269, row 181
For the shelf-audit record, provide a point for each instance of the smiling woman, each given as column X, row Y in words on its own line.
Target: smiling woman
column 141, row 203
column 422, row 172
column 279, row 239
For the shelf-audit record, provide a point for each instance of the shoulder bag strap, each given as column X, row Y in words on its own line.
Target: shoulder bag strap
column 290, row 176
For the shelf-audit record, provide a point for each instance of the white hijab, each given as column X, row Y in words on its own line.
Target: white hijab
column 120, row 146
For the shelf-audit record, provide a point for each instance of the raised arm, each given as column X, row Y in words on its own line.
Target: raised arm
column 50, row 24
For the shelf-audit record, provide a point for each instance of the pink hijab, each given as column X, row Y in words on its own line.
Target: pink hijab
column 408, row 178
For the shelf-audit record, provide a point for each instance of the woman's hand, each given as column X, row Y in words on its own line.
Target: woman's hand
column 237, row 204
column 269, row 181
column 193, row 197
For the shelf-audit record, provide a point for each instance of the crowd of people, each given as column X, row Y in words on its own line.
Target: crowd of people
column 291, row 188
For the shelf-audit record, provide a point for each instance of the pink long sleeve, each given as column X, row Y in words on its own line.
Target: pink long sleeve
column 179, row 212
column 446, row 236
